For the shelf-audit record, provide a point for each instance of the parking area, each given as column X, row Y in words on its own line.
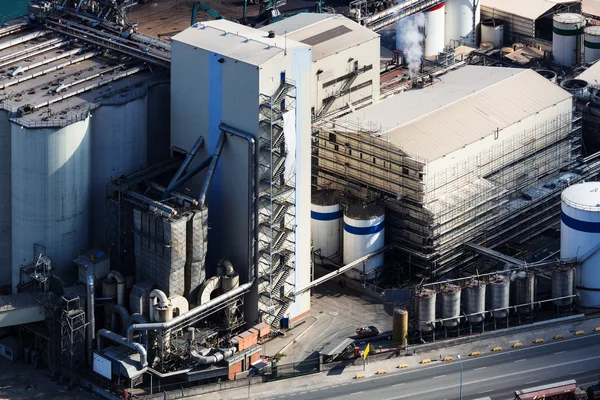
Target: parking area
column 336, row 312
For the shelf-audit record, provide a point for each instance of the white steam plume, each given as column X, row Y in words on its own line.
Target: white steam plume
column 409, row 39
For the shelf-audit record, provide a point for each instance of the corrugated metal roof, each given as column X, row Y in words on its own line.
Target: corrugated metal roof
column 592, row 74
column 530, row 9
column 302, row 28
column 468, row 104
column 236, row 41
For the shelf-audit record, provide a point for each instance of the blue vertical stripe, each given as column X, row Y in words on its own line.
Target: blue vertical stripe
column 215, row 117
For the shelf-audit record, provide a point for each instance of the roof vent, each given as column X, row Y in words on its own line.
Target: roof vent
column 271, row 34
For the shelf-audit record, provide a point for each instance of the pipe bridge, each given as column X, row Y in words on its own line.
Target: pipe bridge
column 387, row 17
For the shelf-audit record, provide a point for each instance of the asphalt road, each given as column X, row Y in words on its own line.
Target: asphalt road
column 495, row 375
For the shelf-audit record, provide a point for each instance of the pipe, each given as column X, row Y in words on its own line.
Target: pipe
column 151, row 204
column 184, row 165
column 136, row 318
column 179, row 196
column 211, row 168
column 192, row 173
column 228, row 267
column 163, row 302
column 122, row 341
column 190, row 314
column 123, row 313
column 220, row 355
column 117, row 276
column 91, row 318
column 252, row 220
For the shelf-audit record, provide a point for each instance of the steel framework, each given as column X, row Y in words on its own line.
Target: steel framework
column 73, row 327
column 276, row 205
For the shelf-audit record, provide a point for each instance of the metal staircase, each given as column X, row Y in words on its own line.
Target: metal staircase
column 276, row 212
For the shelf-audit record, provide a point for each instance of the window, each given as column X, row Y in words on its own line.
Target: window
column 336, row 147
column 374, row 161
column 420, row 176
column 349, row 152
column 405, row 170
column 332, row 137
column 361, row 156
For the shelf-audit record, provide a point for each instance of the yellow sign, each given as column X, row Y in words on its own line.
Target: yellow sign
column 367, row 350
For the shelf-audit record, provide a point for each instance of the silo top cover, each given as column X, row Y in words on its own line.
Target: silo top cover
column 592, row 30
column 583, row 196
column 325, row 197
column 364, row 211
column 569, row 18
column 450, row 289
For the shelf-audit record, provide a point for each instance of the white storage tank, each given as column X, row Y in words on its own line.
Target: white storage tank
column 492, row 30
column 50, row 182
column 566, row 38
column 5, row 211
column 462, row 21
column 364, row 232
column 326, row 224
column 434, row 30
column 580, row 238
column 591, row 43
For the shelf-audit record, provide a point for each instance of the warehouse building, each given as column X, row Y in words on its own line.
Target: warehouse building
column 464, row 160
column 345, row 59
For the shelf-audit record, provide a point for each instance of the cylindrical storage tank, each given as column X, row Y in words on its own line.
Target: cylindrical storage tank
column 562, row 285
column 50, row 181
column 591, row 43
column 566, row 38
column 400, row 327
column 119, row 144
column 524, row 291
column 230, row 282
column 450, row 304
column 5, row 199
column 548, row 74
column 580, row 239
column 474, row 300
column 574, row 86
column 462, row 22
column 326, row 224
column 434, row 30
column 425, row 308
column 492, row 30
column 499, row 289
column 364, row 232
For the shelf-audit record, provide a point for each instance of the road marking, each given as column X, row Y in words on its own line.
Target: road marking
column 478, row 381
column 477, row 369
column 487, row 391
column 521, row 360
column 358, row 392
column 439, row 376
column 578, row 372
column 560, row 352
column 527, row 383
column 400, row 384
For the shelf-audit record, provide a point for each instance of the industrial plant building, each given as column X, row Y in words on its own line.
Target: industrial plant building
column 345, row 60
column 478, row 157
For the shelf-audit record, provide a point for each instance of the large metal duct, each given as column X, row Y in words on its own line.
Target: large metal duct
column 118, row 310
column 163, row 303
column 117, row 276
column 91, row 333
column 123, row 341
column 136, row 318
column 220, row 355
column 168, row 325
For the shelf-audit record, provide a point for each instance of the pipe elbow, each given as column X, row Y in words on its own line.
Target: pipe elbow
column 163, row 300
column 142, row 352
column 90, row 280
column 228, row 267
column 117, row 276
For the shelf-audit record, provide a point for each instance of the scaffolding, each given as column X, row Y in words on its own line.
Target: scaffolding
column 276, row 197
column 510, row 191
column 72, row 328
